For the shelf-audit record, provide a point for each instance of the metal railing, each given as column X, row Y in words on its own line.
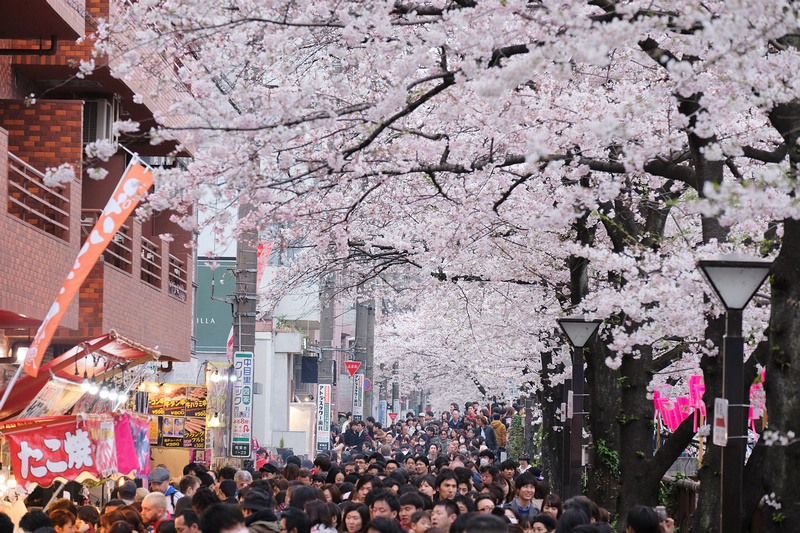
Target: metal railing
column 30, row 200
column 119, row 252
column 151, row 263
column 177, row 278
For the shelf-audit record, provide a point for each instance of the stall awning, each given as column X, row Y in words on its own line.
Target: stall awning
column 96, row 356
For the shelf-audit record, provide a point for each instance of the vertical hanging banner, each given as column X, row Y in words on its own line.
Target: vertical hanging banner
column 323, row 417
column 264, row 251
column 242, row 420
column 132, row 436
column 131, row 189
column 358, row 396
column 382, row 412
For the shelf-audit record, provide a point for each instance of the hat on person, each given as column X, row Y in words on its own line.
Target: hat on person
column 158, row 475
column 255, row 500
column 128, row 490
column 294, row 459
column 525, row 457
column 269, row 468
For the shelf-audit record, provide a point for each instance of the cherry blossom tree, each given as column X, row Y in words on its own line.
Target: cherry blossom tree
column 489, row 166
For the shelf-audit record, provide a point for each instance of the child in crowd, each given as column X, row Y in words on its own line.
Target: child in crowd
column 420, row 522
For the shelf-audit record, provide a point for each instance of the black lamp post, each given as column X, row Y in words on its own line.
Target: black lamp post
column 578, row 330
column 735, row 278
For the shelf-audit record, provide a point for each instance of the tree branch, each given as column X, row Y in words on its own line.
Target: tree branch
column 507, row 51
column 446, row 82
column 776, row 156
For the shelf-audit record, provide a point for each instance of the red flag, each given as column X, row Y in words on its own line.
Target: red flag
column 131, row 188
column 264, row 251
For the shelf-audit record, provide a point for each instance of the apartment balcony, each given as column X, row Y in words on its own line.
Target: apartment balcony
column 141, row 288
column 43, row 19
column 55, row 74
column 36, row 226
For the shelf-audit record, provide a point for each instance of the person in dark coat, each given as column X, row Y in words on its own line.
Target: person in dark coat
column 258, row 514
column 487, row 432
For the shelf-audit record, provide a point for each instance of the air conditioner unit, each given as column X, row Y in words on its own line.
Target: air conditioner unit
column 98, row 119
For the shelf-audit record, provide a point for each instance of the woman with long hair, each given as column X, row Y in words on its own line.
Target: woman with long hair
column 364, row 484
column 291, row 472
column 320, row 516
column 331, row 478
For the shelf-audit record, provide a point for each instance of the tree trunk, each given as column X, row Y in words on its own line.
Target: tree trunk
column 782, row 463
column 603, row 405
column 706, row 516
column 552, row 445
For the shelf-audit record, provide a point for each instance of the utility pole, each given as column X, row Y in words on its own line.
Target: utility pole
column 244, row 324
column 360, row 355
column 245, row 295
column 325, row 379
column 370, row 406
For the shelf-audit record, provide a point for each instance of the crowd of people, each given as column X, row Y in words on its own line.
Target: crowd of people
column 419, row 475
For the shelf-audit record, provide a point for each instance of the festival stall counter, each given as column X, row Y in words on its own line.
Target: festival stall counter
column 78, row 447
column 78, row 419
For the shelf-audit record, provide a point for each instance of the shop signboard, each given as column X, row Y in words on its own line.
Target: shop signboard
column 56, row 398
column 323, row 417
column 73, row 448
column 196, row 401
column 213, row 319
column 358, row 396
column 382, row 412
column 242, row 419
column 175, row 401
column 179, row 411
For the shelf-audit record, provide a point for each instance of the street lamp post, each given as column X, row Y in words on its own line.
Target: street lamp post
column 735, row 278
column 578, row 330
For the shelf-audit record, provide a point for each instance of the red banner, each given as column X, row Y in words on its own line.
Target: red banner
column 131, row 188
column 132, row 438
column 67, row 451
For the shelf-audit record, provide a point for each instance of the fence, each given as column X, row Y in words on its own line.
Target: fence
column 30, row 200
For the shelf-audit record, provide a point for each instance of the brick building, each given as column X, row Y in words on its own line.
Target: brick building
column 142, row 286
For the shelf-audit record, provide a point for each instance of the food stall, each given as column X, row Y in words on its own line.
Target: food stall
column 81, row 418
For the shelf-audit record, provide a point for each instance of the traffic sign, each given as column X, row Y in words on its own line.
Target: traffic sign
column 352, row 367
column 393, row 416
column 367, row 384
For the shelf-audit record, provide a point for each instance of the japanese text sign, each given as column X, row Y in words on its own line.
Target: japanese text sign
column 67, row 451
column 241, row 422
column 358, row 396
column 323, row 417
